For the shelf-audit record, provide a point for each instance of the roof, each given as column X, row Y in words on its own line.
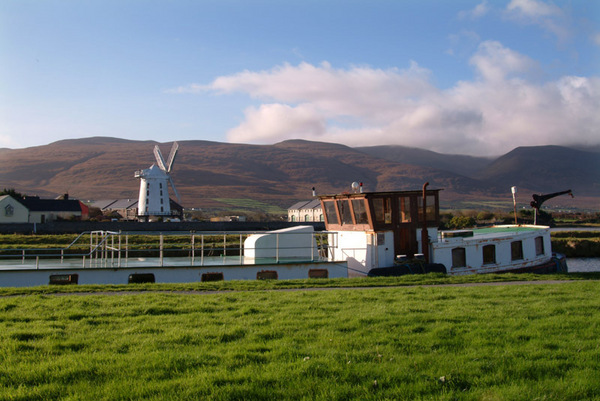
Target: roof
column 124, row 204
column 307, row 204
column 115, row 204
column 102, row 204
column 35, row 204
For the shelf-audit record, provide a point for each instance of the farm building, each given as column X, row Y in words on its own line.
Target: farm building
column 309, row 210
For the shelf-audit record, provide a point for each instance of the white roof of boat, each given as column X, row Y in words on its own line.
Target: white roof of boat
column 496, row 232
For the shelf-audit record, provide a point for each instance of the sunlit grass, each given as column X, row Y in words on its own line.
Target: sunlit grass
column 450, row 343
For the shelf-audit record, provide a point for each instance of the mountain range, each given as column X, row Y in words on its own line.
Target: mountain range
column 211, row 174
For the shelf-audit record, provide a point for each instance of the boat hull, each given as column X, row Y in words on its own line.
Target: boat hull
column 557, row 264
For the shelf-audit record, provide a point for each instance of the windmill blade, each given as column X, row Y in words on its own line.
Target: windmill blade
column 159, row 158
column 174, row 190
column 172, row 155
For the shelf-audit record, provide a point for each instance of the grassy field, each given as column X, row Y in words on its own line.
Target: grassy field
column 503, row 342
column 249, row 204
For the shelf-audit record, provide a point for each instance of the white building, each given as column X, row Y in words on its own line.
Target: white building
column 306, row 211
column 12, row 211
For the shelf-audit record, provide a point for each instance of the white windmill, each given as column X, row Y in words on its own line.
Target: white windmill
column 154, row 194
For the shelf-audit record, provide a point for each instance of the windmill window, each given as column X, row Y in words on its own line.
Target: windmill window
column 148, row 193
column 161, row 192
column 160, row 185
column 161, row 201
column 162, row 209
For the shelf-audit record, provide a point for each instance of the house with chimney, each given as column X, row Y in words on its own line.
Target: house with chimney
column 45, row 210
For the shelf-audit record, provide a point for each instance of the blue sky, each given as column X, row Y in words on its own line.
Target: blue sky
column 470, row 77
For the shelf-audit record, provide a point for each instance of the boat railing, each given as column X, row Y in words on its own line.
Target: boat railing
column 96, row 249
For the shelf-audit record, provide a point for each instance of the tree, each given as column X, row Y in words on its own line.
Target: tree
column 12, row 192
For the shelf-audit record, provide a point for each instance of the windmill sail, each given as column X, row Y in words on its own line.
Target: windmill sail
column 159, row 158
column 172, row 155
column 174, row 189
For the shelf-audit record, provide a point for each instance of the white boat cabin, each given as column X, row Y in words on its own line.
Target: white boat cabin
column 373, row 228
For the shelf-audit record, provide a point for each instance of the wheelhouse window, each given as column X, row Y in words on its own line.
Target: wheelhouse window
column 430, row 208
column 330, row 212
column 404, row 203
column 360, row 211
column 539, row 246
column 345, row 212
column 383, row 210
column 489, row 254
column 459, row 257
column 516, row 250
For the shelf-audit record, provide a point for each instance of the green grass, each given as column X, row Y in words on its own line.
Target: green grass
column 251, row 204
column 442, row 343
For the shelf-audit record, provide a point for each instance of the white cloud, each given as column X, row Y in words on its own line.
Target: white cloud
column 497, row 111
column 548, row 16
column 270, row 122
column 479, row 11
column 495, row 62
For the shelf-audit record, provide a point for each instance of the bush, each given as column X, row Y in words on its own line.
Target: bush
column 459, row 222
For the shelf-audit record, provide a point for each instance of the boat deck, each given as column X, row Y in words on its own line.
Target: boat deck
column 489, row 233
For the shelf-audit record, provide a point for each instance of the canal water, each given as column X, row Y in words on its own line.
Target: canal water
column 583, row 265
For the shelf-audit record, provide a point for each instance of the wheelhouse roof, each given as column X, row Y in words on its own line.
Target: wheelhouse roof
column 378, row 193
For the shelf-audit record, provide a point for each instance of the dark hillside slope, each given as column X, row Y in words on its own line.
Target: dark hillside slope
column 206, row 173
column 464, row 165
column 546, row 169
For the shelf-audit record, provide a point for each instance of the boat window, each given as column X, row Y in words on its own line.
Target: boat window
column 489, row 254
column 330, row 212
column 539, row 245
column 430, row 207
column 360, row 211
column 405, row 209
column 459, row 257
column 345, row 212
column 516, row 250
column 383, row 211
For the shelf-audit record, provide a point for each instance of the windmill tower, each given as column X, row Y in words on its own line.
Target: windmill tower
column 154, row 193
